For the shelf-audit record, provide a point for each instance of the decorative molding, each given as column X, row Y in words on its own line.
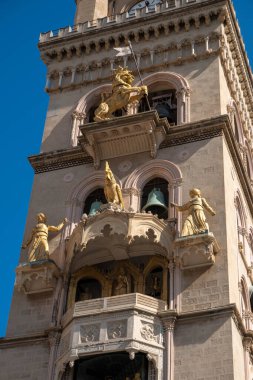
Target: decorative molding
column 138, row 133
column 60, row 159
column 89, row 333
column 117, row 329
column 37, row 277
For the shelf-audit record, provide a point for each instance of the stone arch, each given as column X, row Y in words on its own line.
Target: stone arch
column 76, row 199
column 182, row 88
column 80, row 114
column 155, row 168
column 88, row 272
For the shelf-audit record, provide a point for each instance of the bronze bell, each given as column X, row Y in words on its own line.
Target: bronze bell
column 95, row 206
column 155, row 201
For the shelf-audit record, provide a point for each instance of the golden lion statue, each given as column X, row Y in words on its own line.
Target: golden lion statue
column 122, row 94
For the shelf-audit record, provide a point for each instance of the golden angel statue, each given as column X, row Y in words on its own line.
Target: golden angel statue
column 112, row 190
column 123, row 94
column 195, row 222
column 38, row 241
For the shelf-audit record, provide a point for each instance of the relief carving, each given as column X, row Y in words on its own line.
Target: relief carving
column 149, row 333
column 89, row 333
column 117, row 329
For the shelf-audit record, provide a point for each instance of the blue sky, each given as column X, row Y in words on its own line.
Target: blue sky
column 23, row 110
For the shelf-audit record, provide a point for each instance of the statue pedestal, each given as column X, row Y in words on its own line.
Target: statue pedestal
column 124, row 135
column 37, row 277
column 196, row 250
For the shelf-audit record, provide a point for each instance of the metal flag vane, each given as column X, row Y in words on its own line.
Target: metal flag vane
column 128, row 50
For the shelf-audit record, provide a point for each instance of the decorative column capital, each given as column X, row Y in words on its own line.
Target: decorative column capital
column 54, row 337
column 169, row 319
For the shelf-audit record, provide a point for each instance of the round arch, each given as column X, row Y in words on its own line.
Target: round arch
column 79, row 193
column 152, row 169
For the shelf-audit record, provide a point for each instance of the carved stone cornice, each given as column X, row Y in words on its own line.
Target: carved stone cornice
column 98, row 77
column 59, row 159
column 63, row 44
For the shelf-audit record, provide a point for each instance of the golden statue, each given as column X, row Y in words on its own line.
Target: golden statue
column 195, row 222
column 122, row 95
column 112, row 190
column 38, row 240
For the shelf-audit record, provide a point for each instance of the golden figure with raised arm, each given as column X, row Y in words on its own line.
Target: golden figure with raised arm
column 123, row 94
column 112, row 190
column 195, row 223
column 38, row 241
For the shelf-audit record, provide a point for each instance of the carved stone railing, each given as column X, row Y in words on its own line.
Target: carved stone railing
column 116, row 19
column 112, row 304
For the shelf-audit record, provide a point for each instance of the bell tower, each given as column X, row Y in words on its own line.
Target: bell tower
column 137, row 255
column 89, row 10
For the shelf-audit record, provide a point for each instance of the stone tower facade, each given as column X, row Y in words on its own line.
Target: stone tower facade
column 122, row 293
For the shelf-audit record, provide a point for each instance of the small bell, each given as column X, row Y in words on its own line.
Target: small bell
column 95, row 206
column 156, row 203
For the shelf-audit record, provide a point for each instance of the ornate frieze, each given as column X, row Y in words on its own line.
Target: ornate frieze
column 142, row 132
column 149, row 331
column 161, row 56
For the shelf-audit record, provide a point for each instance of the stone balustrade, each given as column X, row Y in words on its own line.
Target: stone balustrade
column 165, row 6
column 115, row 303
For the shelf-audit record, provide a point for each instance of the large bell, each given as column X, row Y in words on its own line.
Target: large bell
column 94, row 208
column 156, row 202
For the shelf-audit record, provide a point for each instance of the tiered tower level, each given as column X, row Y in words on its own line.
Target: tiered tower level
column 123, row 294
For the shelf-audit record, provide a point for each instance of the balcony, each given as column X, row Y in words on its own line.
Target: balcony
column 142, row 132
column 113, row 324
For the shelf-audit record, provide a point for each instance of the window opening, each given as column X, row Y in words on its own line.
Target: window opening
column 88, row 289
column 164, row 102
column 94, row 201
column 155, row 197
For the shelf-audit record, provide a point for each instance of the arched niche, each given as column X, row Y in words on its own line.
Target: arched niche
column 76, row 199
column 88, row 273
column 94, row 200
column 86, row 105
column 155, row 197
column 153, row 169
column 180, row 92
column 156, row 279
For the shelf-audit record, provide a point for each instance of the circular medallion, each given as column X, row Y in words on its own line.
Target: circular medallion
column 68, row 177
column 124, row 166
